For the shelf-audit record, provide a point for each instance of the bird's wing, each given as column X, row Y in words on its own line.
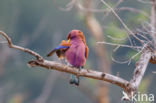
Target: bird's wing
column 86, row 48
column 86, row 51
column 64, row 45
column 56, row 49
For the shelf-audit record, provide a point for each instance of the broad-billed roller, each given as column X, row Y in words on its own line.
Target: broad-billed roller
column 74, row 51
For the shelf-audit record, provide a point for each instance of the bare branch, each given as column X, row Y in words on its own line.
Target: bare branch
column 140, row 68
column 116, row 9
column 133, row 10
column 121, row 45
column 153, row 22
column 128, row 87
column 84, row 72
column 138, row 74
column 11, row 45
column 113, row 8
column 64, row 68
column 124, row 25
column 69, row 6
column 145, row 2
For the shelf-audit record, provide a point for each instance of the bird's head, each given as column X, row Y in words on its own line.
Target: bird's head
column 76, row 34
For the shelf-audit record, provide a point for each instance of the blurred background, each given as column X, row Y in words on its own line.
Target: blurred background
column 40, row 25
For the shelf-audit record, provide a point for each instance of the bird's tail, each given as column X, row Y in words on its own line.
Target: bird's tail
column 56, row 49
column 51, row 53
column 74, row 80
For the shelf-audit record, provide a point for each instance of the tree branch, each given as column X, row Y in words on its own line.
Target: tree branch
column 129, row 87
column 11, row 45
column 153, row 22
column 84, row 72
column 40, row 62
column 140, row 68
column 124, row 25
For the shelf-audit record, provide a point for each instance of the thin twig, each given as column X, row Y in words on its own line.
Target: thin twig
column 125, row 26
column 120, row 62
column 144, row 37
column 129, row 60
column 116, row 39
column 121, row 45
column 11, row 45
column 145, row 2
column 109, row 10
column 69, row 6
column 133, row 10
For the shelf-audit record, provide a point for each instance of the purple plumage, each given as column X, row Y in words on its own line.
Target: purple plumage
column 75, row 51
column 75, row 55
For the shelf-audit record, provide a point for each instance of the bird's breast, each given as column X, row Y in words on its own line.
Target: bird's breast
column 75, row 55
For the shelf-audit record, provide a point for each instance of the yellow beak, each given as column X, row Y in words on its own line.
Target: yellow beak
column 68, row 41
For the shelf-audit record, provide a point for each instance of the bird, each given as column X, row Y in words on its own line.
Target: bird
column 74, row 50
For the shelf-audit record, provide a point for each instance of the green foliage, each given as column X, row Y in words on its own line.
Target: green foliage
column 135, row 20
column 116, row 33
column 131, row 54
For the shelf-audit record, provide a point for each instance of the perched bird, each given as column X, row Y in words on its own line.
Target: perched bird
column 74, row 51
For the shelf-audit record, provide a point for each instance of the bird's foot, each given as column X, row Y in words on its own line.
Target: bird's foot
column 74, row 80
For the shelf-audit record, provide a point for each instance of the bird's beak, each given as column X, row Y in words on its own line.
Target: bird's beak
column 68, row 41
